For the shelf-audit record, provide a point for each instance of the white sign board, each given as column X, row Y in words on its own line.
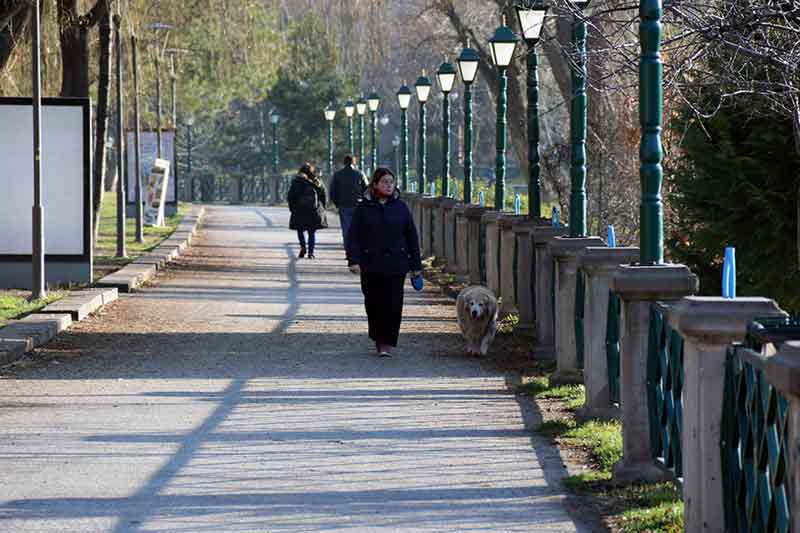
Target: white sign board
column 156, row 193
column 66, row 177
column 147, row 147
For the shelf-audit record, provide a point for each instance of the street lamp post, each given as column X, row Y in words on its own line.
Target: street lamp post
column 157, row 61
column 38, row 286
column 121, row 250
column 423, row 88
column 383, row 121
column 189, row 123
column 577, row 210
column 330, row 115
column 396, row 158
column 349, row 109
column 531, row 22
column 361, row 108
column 274, row 118
column 374, row 102
column 468, row 67
column 137, row 139
column 651, row 111
column 404, row 100
column 503, row 43
column 446, row 75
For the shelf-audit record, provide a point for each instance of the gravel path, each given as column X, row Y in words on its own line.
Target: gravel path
column 240, row 393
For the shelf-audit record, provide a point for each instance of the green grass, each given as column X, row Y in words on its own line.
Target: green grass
column 603, row 439
column 105, row 249
column 539, row 387
column 14, row 307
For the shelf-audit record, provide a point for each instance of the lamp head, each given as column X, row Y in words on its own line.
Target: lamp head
column 503, row 43
column 468, row 64
column 349, row 108
column 423, row 87
column 274, row 117
column 373, row 101
column 361, row 106
column 330, row 113
column 404, row 96
column 446, row 76
column 531, row 21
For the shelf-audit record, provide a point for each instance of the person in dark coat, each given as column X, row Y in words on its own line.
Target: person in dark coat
column 383, row 248
column 347, row 188
column 307, row 201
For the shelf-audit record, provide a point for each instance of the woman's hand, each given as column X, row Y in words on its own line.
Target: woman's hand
column 355, row 269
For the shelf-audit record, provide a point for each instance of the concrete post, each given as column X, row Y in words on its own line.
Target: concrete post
column 508, row 241
column 526, row 273
column 783, row 371
column 236, row 190
column 474, row 215
column 492, row 250
column 638, row 287
column 543, row 293
column 565, row 252
column 708, row 326
column 599, row 264
column 411, row 199
column 461, row 242
column 426, row 210
column 447, row 240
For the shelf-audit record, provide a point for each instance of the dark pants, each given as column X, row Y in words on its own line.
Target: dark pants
column 311, row 239
column 383, row 299
column 345, row 218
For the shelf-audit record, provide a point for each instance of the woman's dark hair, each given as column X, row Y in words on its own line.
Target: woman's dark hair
column 308, row 169
column 380, row 173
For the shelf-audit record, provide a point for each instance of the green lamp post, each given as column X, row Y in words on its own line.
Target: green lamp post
column 651, row 102
column 361, row 109
column 446, row 75
column 503, row 43
column 404, row 100
column 330, row 115
column 531, row 21
column 468, row 67
column 349, row 110
column 577, row 209
column 423, row 87
column 274, row 118
column 374, row 102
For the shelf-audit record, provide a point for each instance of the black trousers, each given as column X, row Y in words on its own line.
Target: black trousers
column 383, row 299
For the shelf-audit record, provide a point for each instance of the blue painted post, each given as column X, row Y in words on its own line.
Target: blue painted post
column 481, row 199
column 555, row 218
column 729, row 273
column 517, row 204
column 612, row 237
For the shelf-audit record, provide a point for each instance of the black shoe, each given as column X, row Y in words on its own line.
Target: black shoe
column 311, row 255
column 302, row 253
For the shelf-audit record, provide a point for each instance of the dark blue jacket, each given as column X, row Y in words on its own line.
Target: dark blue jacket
column 383, row 238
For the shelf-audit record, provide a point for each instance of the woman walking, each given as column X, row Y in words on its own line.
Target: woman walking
column 382, row 246
column 307, row 201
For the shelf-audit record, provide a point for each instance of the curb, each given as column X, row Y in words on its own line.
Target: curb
column 24, row 335
column 144, row 268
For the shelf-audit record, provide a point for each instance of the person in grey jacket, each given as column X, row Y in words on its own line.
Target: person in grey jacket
column 346, row 190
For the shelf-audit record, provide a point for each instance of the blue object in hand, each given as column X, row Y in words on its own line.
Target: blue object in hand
column 416, row 282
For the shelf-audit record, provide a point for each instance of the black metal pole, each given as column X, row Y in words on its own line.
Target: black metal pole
column 137, row 143
column 158, row 105
column 38, row 288
column 121, row 251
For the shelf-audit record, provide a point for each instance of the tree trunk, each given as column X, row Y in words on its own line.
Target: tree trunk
column 14, row 21
column 74, row 38
column 103, row 97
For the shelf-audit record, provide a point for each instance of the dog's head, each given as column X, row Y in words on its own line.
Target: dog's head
column 477, row 306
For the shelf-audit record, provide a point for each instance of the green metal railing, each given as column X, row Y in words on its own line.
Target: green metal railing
column 665, row 390
column 580, row 297
column 612, row 345
column 754, row 440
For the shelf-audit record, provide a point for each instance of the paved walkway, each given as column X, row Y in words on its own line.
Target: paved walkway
column 240, row 393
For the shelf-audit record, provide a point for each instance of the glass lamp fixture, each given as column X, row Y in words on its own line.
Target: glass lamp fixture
column 374, row 101
column 361, row 106
column 330, row 113
column 349, row 108
column 468, row 64
column 503, row 43
column 404, row 96
column 423, row 87
column 274, row 117
column 446, row 76
column 531, row 21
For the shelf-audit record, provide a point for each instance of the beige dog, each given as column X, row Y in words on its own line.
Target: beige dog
column 477, row 317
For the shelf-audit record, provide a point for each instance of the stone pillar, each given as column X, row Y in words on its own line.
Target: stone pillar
column 447, row 223
column 507, row 280
column 598, row 265
column 708, row 326
column 783, row 371
column 474, row 215
column 492, row 250
column 462, row 242
column 526, row 274
column 565, row 252
column 638, row 287
column 543, row 292
column 426, row 211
